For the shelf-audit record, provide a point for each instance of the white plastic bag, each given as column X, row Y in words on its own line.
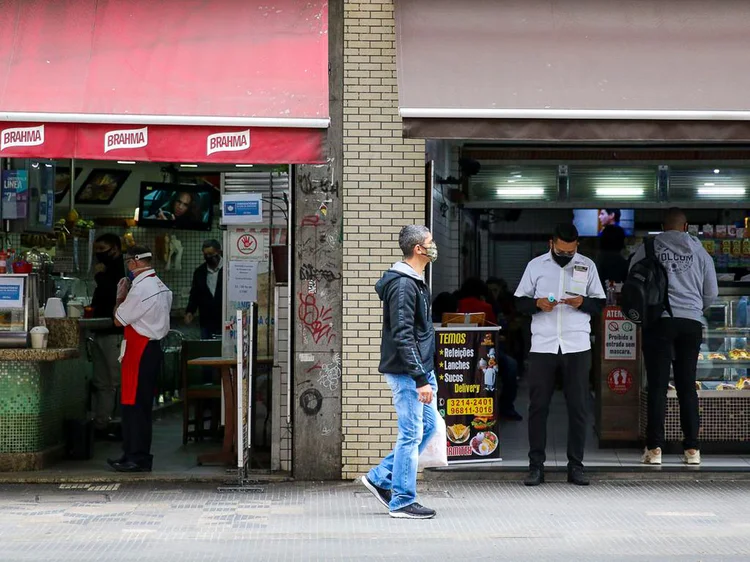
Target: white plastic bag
column 436, row 452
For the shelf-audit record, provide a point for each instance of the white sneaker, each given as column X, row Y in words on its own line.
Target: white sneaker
column 651, row 456
column 692, row 458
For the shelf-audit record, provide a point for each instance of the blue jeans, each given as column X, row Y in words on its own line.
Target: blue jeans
column 416, row 426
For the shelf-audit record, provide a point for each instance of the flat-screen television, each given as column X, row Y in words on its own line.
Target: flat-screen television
column 169, row 205
column 591, row 222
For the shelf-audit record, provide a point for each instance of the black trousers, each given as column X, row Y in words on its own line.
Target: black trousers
column 575, row 369
column 672, row 342
column 136, row 419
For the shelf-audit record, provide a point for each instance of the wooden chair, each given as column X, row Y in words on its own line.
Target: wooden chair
column 198, row 393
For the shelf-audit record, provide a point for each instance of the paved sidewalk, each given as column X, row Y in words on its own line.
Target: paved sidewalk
column 609, row 521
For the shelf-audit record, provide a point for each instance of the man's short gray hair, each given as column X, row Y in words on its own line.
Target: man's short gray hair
column 411, row 236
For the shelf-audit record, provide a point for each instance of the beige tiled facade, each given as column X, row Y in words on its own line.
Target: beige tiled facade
column 383, row 189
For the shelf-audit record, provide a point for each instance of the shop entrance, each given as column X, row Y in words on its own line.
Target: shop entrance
column 174, row 210
column 494, row 209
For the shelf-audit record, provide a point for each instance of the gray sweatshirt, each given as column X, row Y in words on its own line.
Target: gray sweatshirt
column 692, row 275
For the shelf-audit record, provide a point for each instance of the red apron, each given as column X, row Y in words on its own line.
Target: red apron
column 135, row 344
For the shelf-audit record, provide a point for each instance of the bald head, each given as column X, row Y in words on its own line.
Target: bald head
column 675, row 219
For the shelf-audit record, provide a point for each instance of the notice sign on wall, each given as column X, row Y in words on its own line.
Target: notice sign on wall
column 620, row 339
column 467, row 373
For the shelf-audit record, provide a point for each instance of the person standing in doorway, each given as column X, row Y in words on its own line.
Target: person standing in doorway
column 407, row 358
column 143, row 306
column 561, row 290
column 206, row 292
column 675, row 340
column 108, row 272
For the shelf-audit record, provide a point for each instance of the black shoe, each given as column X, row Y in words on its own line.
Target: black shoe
column 511, row 415
column 535, row 476
column 413, row 511
column 113, row 462
column 130, row 467
column 577, row 476
column 383, row 495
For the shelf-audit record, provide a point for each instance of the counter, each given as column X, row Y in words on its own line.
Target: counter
column 39, row 355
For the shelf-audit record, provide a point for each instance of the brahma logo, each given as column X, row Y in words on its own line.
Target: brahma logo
column 22, row 136
column 128, row 138
column 228, row 142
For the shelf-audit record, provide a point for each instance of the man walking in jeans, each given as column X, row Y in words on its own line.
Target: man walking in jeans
column 676, row 340
column 407, row 356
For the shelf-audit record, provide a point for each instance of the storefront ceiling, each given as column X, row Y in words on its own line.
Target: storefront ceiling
column 574, row 70
column 252, row 72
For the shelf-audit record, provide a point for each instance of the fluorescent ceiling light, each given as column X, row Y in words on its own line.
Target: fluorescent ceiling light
column 129, row 162
column 709, row 184
column 520, row 192
column 719, row 191
column 511, row 181
column 188, row 165
column 716, row 171
column 610, row 192
column 243, row 165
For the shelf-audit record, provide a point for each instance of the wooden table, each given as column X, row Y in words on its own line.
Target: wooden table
column 228, row 367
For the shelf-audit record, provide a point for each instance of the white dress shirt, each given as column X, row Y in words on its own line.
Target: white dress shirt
column 565, row 329
column 147, row 306
column 212, row 277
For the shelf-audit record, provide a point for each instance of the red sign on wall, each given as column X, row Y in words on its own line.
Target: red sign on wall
column 619, row 380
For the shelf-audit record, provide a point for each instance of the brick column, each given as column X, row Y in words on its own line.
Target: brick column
column 383, row 189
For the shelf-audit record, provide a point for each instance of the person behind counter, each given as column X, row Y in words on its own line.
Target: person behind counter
column 143, row 305
column 474, row 295
column 106, row 346
column 611, row 264
column 561, row 289
column 206, row 291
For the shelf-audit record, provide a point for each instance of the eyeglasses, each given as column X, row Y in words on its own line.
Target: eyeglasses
column 562, row 254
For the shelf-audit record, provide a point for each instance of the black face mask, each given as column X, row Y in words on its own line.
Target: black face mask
column 212, row 261
column 562, row 261
column 104, row 257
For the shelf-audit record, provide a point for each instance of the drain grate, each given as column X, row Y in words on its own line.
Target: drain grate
column 91, row 487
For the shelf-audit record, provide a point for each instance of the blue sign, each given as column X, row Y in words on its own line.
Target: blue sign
column 10, row 292
column 15, row 193
column 242, row 208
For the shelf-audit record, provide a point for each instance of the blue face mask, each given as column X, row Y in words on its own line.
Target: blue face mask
column 131, row 275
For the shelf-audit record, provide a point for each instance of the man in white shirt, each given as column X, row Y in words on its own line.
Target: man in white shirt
column 206, row 292
column 143, row 306
column 561, row 290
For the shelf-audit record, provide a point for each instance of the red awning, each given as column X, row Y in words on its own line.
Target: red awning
column 240, row 81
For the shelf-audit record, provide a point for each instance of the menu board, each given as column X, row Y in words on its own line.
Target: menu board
column 468, row 384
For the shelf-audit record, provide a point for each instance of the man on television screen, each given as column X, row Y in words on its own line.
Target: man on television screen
column 608, row 217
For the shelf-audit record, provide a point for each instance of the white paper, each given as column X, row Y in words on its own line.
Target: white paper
column 248, row 244
column 242, row 283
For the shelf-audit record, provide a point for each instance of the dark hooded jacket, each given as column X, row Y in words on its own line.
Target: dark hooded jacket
column 408, row 343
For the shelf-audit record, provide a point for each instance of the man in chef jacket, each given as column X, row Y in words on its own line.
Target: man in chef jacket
column 143, row 306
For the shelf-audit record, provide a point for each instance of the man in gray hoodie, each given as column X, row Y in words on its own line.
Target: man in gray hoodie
column 407, row 358
column 676, row 340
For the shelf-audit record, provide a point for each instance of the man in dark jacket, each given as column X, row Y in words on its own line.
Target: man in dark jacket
column 407, row 357
column 108, row 271
column 206, row 291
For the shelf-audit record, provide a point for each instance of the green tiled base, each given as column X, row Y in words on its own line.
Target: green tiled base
column 36, row 398
column 19, row 462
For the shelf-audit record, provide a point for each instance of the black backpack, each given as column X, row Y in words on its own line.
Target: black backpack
column 645, row 293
